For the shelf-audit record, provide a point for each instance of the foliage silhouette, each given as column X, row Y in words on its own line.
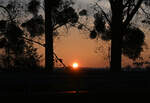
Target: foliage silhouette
column 93, row 34
column 58, row 13
column 66, row 16
column 33, row 7
column 35, row 26
column 83, row 12
column 133, row 42
column 125, row 39
column 99, row 23
column 18, row 54
column 3, row 24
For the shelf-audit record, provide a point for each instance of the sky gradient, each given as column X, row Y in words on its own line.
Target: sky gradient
column 76, row 46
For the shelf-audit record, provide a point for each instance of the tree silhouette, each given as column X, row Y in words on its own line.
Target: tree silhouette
column 60, row 12
column 119, row 26
column 125, row 38
column 12, row 40
column 35, row 26
column 57, row 14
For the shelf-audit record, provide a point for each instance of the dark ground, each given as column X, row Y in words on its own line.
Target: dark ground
column 73, row 83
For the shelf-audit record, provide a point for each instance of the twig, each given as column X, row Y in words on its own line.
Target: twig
column 84, row 26
column 129, row 18
column 43, row 45
column 10, row 17
column 105, row 15
column 144, row 11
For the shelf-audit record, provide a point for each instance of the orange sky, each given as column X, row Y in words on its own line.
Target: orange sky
column 75, row 46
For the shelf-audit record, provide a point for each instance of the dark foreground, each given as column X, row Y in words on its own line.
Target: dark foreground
column 72, row 83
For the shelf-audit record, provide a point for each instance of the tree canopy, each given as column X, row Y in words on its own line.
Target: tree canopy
column 133, row 37
column 18, row 51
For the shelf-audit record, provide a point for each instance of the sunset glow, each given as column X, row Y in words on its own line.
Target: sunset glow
column 75, row 65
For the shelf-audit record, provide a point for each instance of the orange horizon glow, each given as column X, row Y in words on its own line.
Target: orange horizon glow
column 75, row 65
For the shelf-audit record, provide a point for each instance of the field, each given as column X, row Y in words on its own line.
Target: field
column 72, row 83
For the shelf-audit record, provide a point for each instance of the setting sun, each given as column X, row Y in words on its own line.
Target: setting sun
column 75, row 65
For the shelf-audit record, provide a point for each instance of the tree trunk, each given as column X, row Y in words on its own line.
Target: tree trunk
column 49, row 59
column 116, row 29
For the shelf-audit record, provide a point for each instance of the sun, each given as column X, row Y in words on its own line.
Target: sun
column 75, row 65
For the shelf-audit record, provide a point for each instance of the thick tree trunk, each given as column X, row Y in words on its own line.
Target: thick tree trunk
column 116, row 28
column 49, row 59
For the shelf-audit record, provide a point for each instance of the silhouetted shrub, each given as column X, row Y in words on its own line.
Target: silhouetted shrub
column 99, row 23
column 35, row 26
column 33, row 6
column 93, row 34
column 133, row 41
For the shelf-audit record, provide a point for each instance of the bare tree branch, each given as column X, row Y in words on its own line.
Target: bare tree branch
column 144, row 11
column 131, row 15
column 43, row 45
column 10, row 17
column 84, row 26
column 105, row 15
column 57, row 27
column 60, row 60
